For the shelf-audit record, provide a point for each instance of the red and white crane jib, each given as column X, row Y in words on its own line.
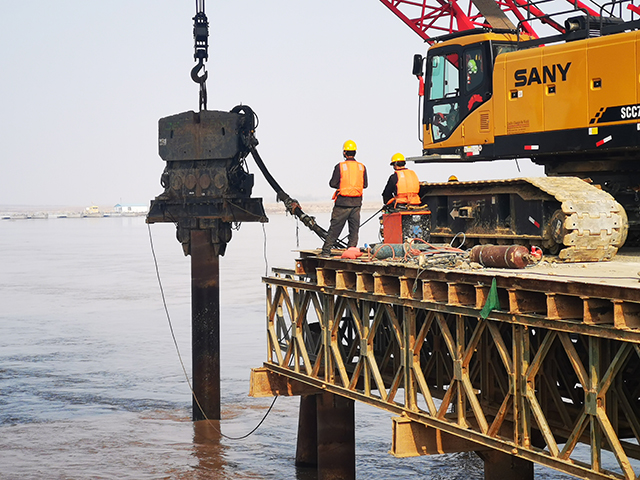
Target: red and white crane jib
column 433, row 18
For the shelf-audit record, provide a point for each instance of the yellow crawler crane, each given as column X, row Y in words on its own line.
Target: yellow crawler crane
column 570, row 103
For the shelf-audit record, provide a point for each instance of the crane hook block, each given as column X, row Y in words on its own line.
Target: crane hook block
column 201, row 37
column 196, row 70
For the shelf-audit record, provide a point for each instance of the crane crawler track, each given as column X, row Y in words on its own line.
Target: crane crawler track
column 572, row 218
column 592, row 225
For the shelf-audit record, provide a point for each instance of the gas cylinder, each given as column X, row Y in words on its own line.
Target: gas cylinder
column 502, row 256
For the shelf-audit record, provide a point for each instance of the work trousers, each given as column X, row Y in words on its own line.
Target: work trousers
column 339, row 216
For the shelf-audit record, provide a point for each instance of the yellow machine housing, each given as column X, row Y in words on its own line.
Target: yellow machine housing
column 570, row 103
column 559, row 103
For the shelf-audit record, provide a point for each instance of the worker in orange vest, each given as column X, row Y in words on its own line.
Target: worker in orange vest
column 349, row 179
column 403, row 185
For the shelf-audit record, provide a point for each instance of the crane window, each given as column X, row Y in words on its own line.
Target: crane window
column 446, row 117
column 474, row 68
column 445, row 76
column 500, row 48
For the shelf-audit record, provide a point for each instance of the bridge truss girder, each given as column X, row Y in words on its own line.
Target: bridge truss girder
column 501, row 383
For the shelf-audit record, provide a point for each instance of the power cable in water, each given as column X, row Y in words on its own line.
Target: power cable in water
column 175, row 342
column 264, row 251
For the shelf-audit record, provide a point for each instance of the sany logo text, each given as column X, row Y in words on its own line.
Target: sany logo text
column 549, row 74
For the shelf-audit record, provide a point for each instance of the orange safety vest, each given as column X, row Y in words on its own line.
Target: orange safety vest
column 351, row 179
column 408, row 187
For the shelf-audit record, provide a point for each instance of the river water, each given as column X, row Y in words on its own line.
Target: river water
column 90, row 382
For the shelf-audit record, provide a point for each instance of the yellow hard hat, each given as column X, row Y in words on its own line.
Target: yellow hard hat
column 452, row 178
column 349, row 146
column 397, row 157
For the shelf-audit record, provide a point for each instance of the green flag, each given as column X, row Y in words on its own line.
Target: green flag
column 492, row 303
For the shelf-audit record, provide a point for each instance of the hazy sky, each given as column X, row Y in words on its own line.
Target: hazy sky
column 83, row 84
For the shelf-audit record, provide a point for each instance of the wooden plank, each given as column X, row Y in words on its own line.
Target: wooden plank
column 587, row 283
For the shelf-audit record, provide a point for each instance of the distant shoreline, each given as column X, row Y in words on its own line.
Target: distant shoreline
column 14, row 212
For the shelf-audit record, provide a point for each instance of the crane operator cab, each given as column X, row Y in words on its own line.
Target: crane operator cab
column 458, row 81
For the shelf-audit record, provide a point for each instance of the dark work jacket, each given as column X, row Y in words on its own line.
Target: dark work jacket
column 391, row 189
column 335, row 183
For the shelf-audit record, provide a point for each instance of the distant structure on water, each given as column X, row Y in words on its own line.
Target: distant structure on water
column 92, row 211
column 131, row 209
column 124, row 210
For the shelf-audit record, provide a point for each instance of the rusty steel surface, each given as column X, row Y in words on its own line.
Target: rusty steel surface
column 205, row 326
column 557, row 364
column 509, row 256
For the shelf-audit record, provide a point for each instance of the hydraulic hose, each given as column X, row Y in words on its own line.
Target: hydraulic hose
column 291, row 204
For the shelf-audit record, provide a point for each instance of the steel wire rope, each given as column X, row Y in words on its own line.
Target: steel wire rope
column 184, row 370
column 264, row 251
column 415, row 282
column 464, row 239
column 363, row 223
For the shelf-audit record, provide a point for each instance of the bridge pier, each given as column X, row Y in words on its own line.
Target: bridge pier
column 307, row 446
column 336, row 437
column 326, row 436
column 499, row 465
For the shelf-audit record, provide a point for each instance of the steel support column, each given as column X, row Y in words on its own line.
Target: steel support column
column 336, row 438
column 500, row 466
column 307, row 446
column 205, row 326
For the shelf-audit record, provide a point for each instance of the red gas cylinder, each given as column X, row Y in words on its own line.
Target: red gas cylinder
column 502, row 256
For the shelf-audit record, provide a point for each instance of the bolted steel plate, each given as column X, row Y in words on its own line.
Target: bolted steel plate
column 207, row 135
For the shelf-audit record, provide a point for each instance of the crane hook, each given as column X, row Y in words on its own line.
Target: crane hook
column 195, row 70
